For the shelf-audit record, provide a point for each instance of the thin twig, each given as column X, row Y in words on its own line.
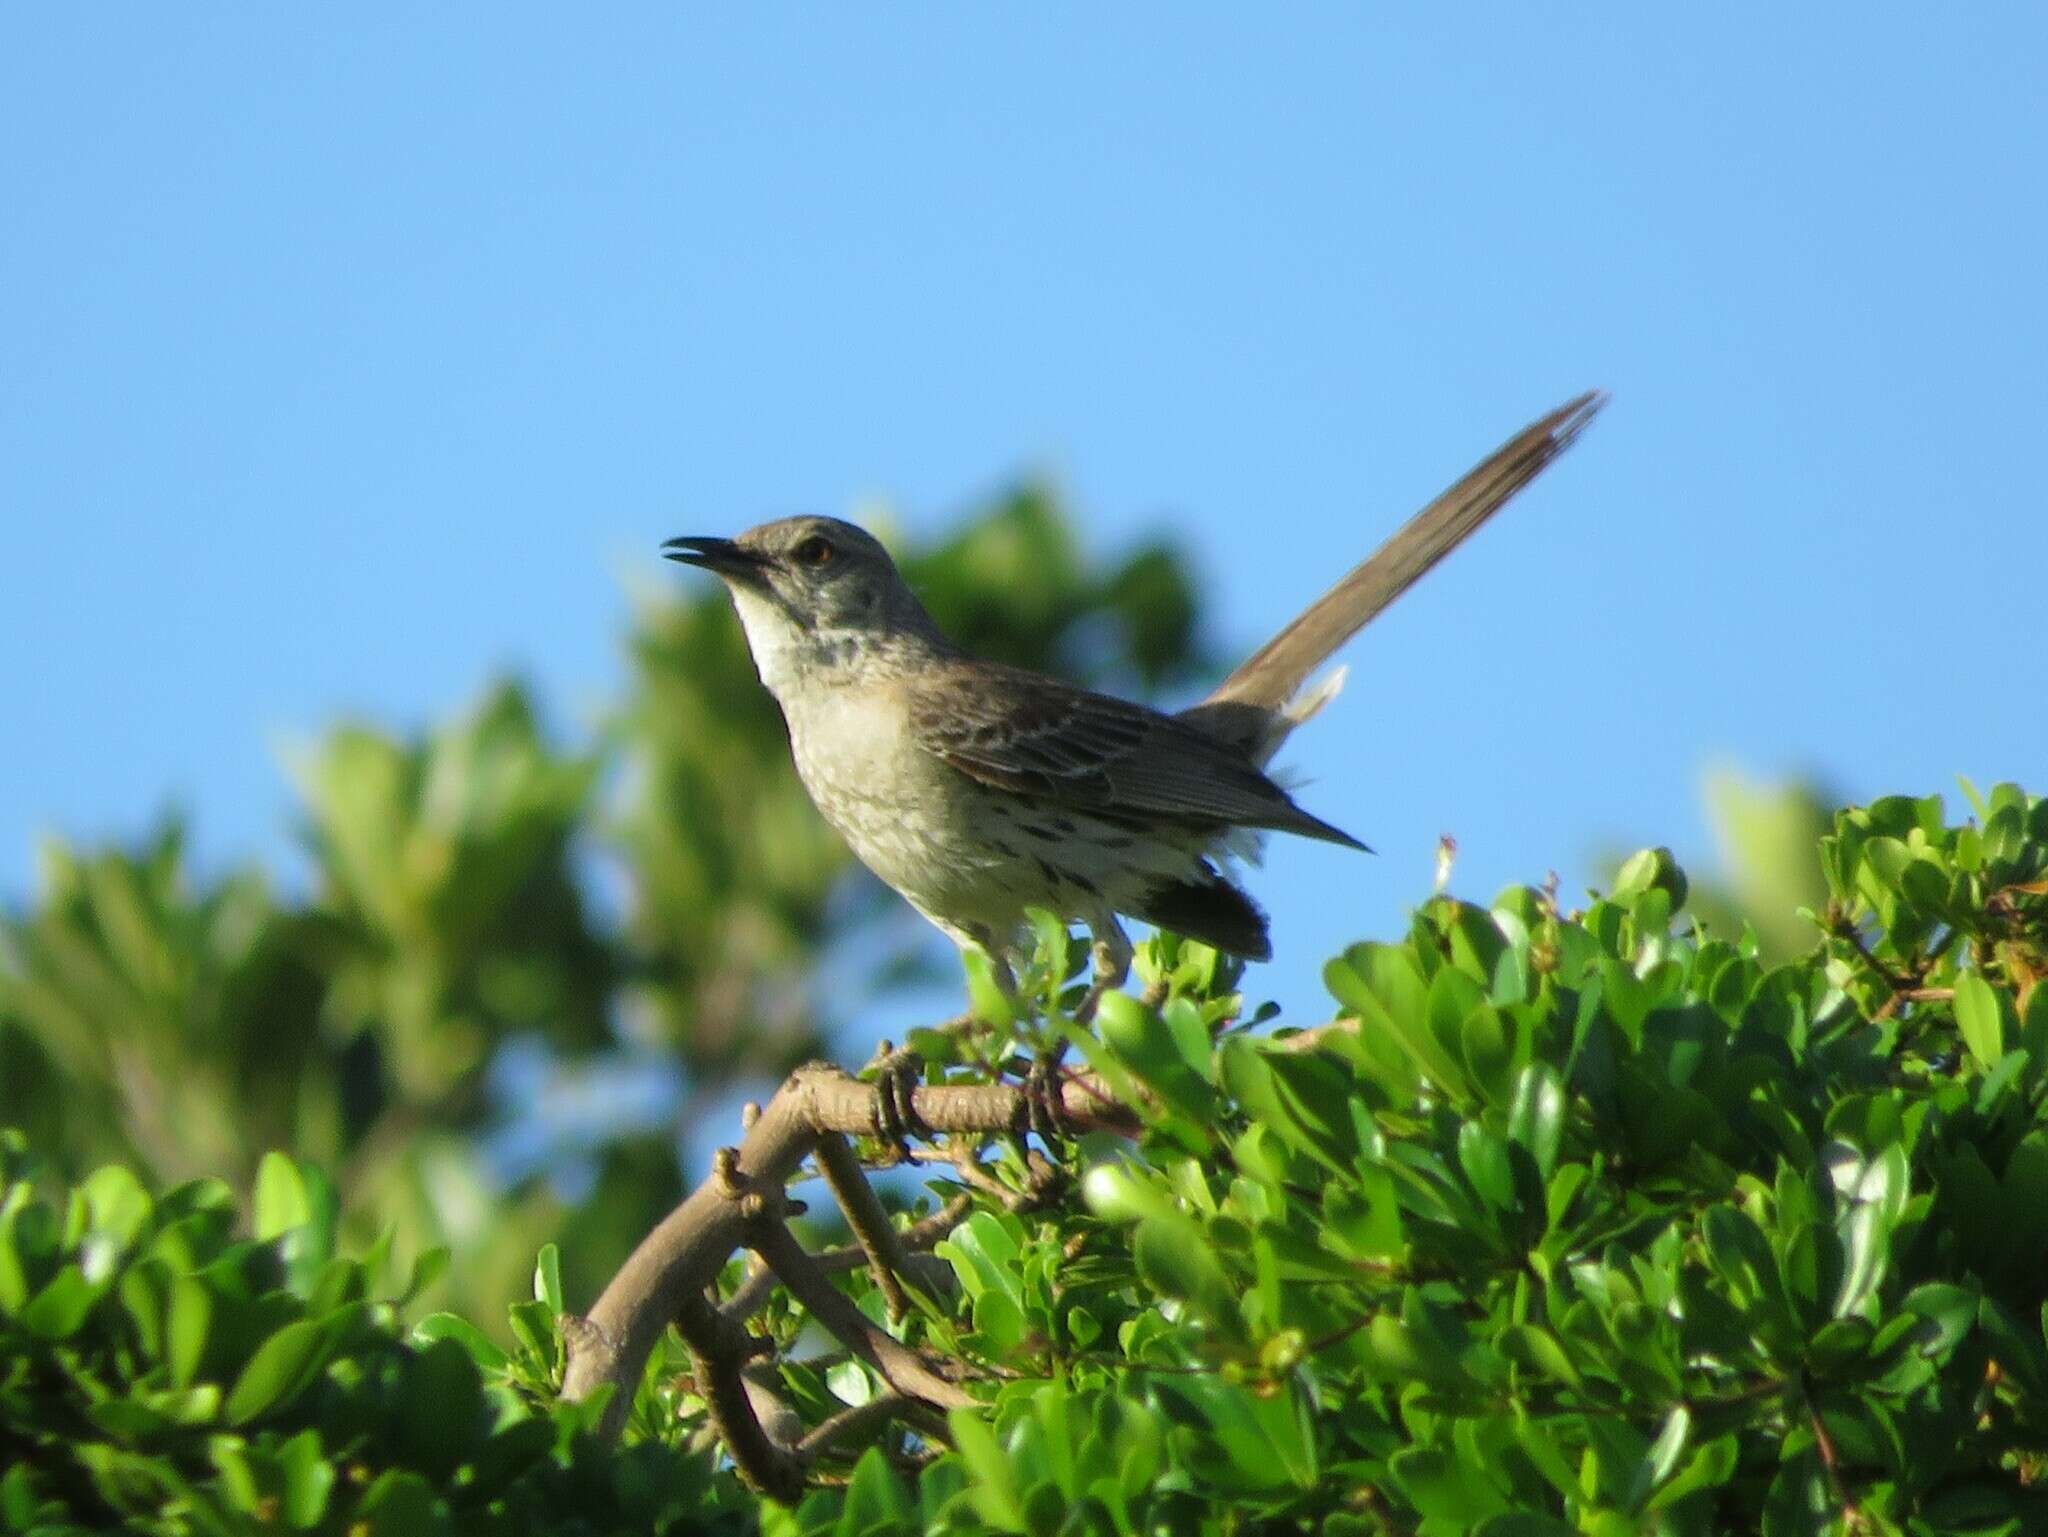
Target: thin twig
column 752, row 1293
column 779, row 1422
column 719, row 1353
column 852, row 1423
column 888, row 1260
column 899, row 1365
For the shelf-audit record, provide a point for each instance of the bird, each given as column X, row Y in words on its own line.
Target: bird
column 978, row 790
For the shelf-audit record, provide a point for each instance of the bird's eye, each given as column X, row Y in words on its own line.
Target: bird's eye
column 814, row 551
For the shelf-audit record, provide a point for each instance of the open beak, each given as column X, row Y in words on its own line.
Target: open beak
column 720, row 556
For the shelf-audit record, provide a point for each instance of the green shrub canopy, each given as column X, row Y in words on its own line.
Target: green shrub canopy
column 1581, row 1222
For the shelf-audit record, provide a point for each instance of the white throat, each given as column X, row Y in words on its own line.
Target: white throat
column 777, row 641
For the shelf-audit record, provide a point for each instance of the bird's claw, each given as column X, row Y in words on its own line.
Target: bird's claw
column 1084, row 1011
column 1045, row 1106
column 1111, row 964
column 897, row 1074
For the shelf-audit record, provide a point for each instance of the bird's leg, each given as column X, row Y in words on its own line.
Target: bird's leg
column 984, row 940
column 999, row 969
column 1110, row 957
column 897, row 1074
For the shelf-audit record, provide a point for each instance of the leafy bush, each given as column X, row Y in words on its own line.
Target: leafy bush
column 158, row 1373
column 1568, row 1223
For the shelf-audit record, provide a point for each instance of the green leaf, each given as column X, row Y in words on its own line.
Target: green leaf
column 1362, row 1218
column 1530, row 1346
column 1051, row 944
column 1477, row 939
column 994, row 1489
column 1445, row 1488
column 60, row 1309
column 1536, row 1115
column 282, row 1201
column 991, row 1004
column 875, row 1496
column 284, row 1364
column 308, row 1479
column 188, row 1327
column 118, row 1204
column 401, row 1504
column 239, row 1480
column 296, row 1207
column 1174, row 1258
column 1383, row 987
column 1231, row 1423
column 1401, row 1354
column 535, row 1329
column 1523, row 1523
column 1661, row 1460
column 1980, row 1016
column 1866, row 1238
column 1484, row 1158
column 1116, row 1194
column 1709, row 1468
column 1650, row 870
column 1305, row 1099
column 427, row 1268
column 1737, row 1248
column 1150, row 1049
column 441, row 1413
column 1284, row 1416
column 1494, row 1051
column 547, row 1279
column 446, row 1326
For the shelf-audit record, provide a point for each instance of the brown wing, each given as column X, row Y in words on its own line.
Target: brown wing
column 1089, row 752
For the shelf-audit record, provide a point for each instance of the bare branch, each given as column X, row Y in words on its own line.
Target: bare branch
column 852, row 1423
column 782, row 1424
column 671, row 1269
column 877, row 1237
column 751, row 1295
column 719, row 1357
column 899, row 1365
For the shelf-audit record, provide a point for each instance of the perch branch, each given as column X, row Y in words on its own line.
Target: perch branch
column 667, row 1276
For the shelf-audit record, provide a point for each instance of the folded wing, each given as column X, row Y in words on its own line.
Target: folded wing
column 1089, row 752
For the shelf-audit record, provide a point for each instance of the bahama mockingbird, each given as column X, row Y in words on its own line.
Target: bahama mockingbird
column 977, row 790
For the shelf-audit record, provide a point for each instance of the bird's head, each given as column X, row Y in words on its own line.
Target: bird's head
column 813, row 594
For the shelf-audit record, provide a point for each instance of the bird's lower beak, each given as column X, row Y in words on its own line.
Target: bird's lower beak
column 719, row 556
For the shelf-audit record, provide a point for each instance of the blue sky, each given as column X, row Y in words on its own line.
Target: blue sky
column 346, row 364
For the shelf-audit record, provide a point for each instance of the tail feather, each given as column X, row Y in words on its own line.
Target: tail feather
column 1250, row 707
column 1212, row 910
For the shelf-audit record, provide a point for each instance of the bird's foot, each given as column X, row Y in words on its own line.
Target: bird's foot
column 896, row 1074
column 1084, row 1011
column 1110, row 958
column 1044, row 1101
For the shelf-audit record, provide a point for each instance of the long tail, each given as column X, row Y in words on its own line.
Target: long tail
column 1255, row 706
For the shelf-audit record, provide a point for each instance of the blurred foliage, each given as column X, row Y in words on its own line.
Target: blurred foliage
column 1580, row 1222
column 1768, row 837
column 484, row 896
column 160, row 1374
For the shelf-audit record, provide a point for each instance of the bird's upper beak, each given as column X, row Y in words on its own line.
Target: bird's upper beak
column 719, row 556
